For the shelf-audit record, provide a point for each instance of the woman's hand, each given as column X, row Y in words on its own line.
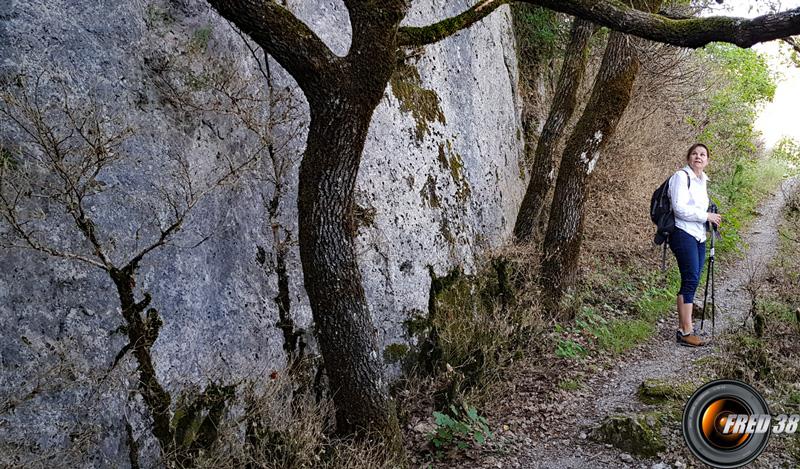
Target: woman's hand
column 715, row 218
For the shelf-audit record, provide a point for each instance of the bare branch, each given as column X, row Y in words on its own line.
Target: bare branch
column 75, row 166
column 264, row 72
column 162, row 240
column 32, row 243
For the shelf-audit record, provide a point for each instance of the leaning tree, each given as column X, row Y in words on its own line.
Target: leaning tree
column 342, row 93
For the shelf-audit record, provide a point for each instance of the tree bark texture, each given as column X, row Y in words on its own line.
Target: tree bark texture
column 342, row 95
column 610, row 96
column 564, row 102
column 142, row 333
column 337, row 133
column 619, row 16
column 347, row 338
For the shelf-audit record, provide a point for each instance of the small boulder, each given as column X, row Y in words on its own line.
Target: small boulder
column 634, row 434
column 658, row 391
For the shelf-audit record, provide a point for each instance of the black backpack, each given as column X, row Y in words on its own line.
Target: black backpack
column 662, row 216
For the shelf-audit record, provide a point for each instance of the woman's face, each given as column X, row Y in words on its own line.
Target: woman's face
column 698, row 159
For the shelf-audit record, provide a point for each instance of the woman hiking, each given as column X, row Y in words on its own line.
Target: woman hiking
column 689, row 197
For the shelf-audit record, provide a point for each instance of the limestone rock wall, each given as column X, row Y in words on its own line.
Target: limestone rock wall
column 440, row 183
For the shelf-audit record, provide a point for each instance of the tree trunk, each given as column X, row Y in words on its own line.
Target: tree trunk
column 348, row 340
column 342, row 93
column 564, row 102
column 141, row 336
column 610, row 96
column 563, row 238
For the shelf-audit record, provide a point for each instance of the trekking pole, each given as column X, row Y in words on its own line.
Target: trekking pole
column 710, row 278
column 705, row 295
column 713, row 284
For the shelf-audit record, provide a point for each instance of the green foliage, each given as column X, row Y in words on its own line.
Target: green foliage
column 748, row 83
column 741, row 177
column 570, row 349
column 156, row 18
column 778, row 310
column 461, row 428
column 7, row 160
column 658, row 297
column 750, row 76
column 623, row 334
column 788, row 151
column 538, row 31
column 196, row 420
column 478, row 324
column 614, row 335
column 649, row 293
column 394, row 353
column 738, row 195
column 589, row 321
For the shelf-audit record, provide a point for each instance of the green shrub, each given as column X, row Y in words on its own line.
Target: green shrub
column 479, row 324
column 788, row 150
column 200, row 38
column 538, row 32
column 461, row 429
column 570, row 349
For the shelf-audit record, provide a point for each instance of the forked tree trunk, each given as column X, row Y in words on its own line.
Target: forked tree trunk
column 342, row 93
column 564, row 102
column 610, row 96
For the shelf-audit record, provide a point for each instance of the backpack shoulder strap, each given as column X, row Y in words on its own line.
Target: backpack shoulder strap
column 688, row 179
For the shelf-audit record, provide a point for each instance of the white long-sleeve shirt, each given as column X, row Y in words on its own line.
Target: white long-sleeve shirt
column 690, row 204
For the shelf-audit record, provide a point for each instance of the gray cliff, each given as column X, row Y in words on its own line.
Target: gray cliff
column 440, row 183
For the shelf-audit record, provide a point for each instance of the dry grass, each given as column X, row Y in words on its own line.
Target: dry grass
column 485, row 321
column 482, row 328
column 274, row 421
column 275, row 426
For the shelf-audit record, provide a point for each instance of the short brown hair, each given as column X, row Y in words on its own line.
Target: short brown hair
column 691, row 149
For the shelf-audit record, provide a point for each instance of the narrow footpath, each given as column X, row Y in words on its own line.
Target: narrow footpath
column 563, row 441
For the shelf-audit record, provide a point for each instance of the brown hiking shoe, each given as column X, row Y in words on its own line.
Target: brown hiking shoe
column 690, row 340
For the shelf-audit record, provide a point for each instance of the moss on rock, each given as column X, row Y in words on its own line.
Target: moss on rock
column 422, row 103
column 657, row 391
column 636, row 434
column 429, row 194
column 393, row 353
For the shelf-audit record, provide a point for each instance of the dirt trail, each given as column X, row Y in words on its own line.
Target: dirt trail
column 563, row 443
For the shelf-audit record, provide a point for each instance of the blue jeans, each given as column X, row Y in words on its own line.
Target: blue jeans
column 691, row 256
